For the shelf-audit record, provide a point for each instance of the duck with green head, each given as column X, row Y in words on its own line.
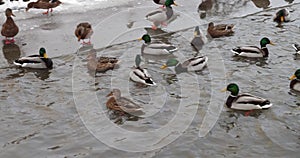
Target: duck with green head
column 162, row 15
column 141, row 75
column 40, row 61
column 253, row 51
column 155, row 48
column 283, row 15
column 244, row 101
column 295, row 81
column 192, row 64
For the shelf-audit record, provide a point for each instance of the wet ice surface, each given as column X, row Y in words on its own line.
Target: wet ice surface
column 39, row 117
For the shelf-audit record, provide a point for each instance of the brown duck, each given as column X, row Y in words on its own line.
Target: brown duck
column 220, row 30
column 9, row 28
column 118, row 103
column 102, row 64
column 44, row 4
column 84, row 31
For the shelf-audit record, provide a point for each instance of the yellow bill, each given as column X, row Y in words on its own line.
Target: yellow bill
column 282, row 19
column 164, row 66
column 175, row 4
column 272, row 43
column 293, row 77
column 45, row 55
column 224, row 89
column 140, row 39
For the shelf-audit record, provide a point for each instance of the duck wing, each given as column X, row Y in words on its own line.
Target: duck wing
column 129, row 106
column 248, row 51
column 247, row 101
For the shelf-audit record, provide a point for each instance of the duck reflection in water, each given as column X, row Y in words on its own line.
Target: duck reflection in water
column 11, row 52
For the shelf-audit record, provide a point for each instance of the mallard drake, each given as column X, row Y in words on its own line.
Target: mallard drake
column 162, row 15
column 44, row 4
column 295, row 81
column 254, row 51
column 9, row 28
column 192, row 64
column 40, row 61
column 197, row 41
column 297, row 48
column 84, row 31
column 141, row 75
column 155, row 48
column 244, row 101
column 220, row 30
column 119, row 103
column 102, row 64
column 283, row 15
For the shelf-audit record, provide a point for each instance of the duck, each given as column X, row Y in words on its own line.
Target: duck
column 162, row 15
column 9, row 28
column 254, row 51
column 192, row 64
column 118, row 103
column 220, row 30
column 141, row 75
column 244, row 101
column 155, row 48
column 295, row 81
column 204, row 7
column 282, row 15
column 40, row 61
column 197, row 41
column 44, row 4
column 84, row 31
column 102, row 64
column 297, row 48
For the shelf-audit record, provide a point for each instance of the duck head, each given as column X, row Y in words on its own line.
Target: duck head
column 264, row 41
column 116, row 93
column 296, row 75
column 146, row 38
column 43, row 52
column 8, row 12
column 233, row 88
column 169, row 63
column 30, row 5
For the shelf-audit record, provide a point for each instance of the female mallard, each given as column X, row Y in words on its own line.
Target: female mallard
column 297, row 48
column 220, row 30
column 84, row 31
column 9, row 28
column 254, row 51
column 118, row 103
column 204, row 7
column 197, row 41
column 102, row 64
column 244, row 101
column 192, row 64
column 40, row 61
column 161, row 15
column 155, row 48
column 295, row 81
column 44, row 4
column 141, row 75
column 283, row 15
